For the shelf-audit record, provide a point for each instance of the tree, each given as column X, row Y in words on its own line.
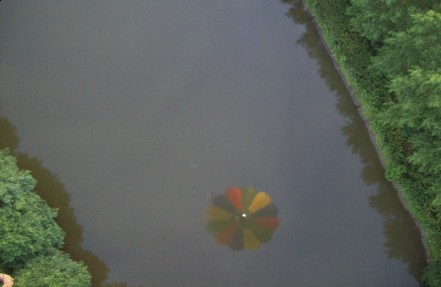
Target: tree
column 13, row 181
column 54, row 270
column 376, row 20
column 30, row 238
column 27, row 229
column 27, row 225
column 417, row 47
column 418, row 114
column 411, row 59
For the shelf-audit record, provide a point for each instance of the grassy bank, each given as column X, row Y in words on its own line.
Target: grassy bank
column 357, row 56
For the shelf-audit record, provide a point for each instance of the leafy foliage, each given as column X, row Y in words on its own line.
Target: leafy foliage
column 417, row 47
column 377, row 20
column 432, row 277
column 29, row 235
column 13, row 182
column 390, row 53
column 28, row 229
column 27, row 224
column 53, row 270
column 411, row 58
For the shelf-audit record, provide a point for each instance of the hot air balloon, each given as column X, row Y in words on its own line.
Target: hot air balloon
column 242, row 218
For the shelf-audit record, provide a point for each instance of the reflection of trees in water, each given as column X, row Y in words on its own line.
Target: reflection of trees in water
column 52, row 191
column 403, row 241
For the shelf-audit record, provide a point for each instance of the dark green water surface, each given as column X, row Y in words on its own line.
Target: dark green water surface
column 134, row 115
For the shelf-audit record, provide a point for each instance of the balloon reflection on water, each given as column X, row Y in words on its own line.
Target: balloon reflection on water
column 242, row 218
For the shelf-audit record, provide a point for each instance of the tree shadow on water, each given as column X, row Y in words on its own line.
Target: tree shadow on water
column 53, row 192
column 402, row 237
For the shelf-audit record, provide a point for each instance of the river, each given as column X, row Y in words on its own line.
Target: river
column 135, row 115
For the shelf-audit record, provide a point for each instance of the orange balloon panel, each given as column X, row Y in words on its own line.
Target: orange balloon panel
column 270, row 223
column 234, row 195
column 226, row 236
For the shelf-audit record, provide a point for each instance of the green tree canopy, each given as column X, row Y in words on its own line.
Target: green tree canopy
column 417, row 114
column 27, row 225
column 27, row 229
column 54, row 270
column 418, row 111
column 412, row 60
column 376, row 20
column 418, row 47
column 13, row 181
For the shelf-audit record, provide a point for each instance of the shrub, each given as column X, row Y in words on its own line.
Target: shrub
column 432, row 275
column 28, row 229
column 56, row 269
column 13, row 181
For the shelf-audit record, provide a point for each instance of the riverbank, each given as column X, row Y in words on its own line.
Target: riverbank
column 351, row 55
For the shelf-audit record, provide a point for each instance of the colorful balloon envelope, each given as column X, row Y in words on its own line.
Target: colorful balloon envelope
column 242, row 218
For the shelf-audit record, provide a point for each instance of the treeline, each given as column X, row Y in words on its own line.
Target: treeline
column 31, row 241
column 390, row 53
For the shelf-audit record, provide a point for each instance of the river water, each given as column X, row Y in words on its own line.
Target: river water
column 135, row 115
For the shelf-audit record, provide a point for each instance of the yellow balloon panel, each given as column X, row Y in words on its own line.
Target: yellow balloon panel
column 251, row 242
column 260, row 200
